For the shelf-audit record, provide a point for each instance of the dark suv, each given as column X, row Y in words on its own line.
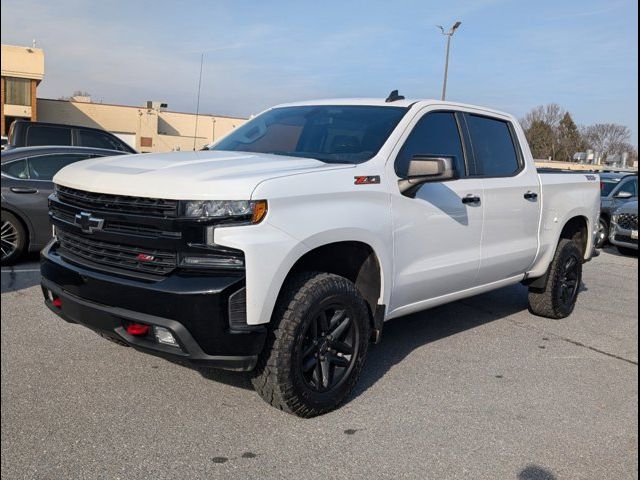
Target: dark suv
column 24, row 133
column 616, row 190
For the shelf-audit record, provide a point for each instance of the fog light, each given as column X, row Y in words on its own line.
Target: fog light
column 213, row 262
column 165, row 336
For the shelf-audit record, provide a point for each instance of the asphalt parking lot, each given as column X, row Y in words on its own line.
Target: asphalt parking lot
column 477, row 389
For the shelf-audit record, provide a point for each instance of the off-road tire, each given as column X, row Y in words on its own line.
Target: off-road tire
column 547, row 302
column 276, row 377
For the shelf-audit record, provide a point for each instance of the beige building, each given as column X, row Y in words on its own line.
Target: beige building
column 147, row 129
column 22, row 72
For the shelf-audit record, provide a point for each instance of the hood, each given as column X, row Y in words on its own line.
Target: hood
column 629, row 207
column 203, row 175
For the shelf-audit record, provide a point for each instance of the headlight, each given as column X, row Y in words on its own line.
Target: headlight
column 251, row 210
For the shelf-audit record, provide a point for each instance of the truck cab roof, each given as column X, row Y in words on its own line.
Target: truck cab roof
column 405, row 103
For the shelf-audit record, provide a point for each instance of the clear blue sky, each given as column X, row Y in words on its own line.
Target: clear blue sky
column 512, row 55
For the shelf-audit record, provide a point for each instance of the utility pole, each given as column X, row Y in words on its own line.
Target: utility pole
column 448, row 34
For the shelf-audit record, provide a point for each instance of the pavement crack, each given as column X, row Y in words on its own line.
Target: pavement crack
column 575, row 342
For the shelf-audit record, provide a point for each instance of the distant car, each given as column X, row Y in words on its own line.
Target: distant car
column 616, row 189
column 624, row 228
column 24, row 133
column 26, row 186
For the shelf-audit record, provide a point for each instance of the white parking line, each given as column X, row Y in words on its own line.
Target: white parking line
column 21, row 271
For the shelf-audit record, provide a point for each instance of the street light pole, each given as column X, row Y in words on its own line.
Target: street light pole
column 448, row 34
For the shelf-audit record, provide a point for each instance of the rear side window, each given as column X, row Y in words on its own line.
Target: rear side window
column 493, row 147
column 44, row 167
column 89, row 138
column 45, row 135
column 17, row 169
column 435, row 134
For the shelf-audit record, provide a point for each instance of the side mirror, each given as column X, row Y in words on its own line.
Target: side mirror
column 425, row 169
column 624, row 195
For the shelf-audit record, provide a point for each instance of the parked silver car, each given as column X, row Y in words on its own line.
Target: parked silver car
column 624, row 228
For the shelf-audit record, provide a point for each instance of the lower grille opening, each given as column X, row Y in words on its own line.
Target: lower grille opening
column 135, row 259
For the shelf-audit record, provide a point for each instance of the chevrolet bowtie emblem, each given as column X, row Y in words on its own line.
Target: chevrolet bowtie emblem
column 88, row 223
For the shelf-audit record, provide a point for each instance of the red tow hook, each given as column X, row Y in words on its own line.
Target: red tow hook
column 137, row 329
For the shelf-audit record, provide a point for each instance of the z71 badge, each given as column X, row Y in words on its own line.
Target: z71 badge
column 367, row 180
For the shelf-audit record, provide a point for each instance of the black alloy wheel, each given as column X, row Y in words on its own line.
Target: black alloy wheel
column 569, row 284
column 329, row 349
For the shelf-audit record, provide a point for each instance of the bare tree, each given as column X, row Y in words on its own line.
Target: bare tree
column 542, row 128
column 550, row 114
column 607, row 138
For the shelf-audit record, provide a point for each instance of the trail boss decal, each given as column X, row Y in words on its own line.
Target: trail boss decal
column 367, row 180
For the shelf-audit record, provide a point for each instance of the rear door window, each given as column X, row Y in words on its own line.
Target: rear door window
column 17, row 169
column 44, row 167
column 46, row 135
column 493, row 147
column 89, row 138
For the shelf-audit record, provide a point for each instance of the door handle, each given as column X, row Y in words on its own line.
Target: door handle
column 531, row 196
column 23, row 190
column 471, row 199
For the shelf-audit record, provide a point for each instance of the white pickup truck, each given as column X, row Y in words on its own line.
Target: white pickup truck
column 284, row 247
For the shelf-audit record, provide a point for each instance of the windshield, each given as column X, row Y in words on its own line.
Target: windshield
column 332, row 134
column 607, row 185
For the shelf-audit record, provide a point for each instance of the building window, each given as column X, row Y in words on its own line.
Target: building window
column 17, row 91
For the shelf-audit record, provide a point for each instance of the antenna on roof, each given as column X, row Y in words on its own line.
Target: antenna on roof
column 394, row 97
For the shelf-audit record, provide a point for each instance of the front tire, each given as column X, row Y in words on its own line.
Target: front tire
column 603, row 232
column 558, row 299
column 316, row 347
column 14, row 238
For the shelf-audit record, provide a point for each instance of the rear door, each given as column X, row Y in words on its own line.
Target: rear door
column 437, row 233
column 512, row 201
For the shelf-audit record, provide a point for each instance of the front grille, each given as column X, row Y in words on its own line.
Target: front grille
column 101, row 202
column 148, row 261
column 628, row 221
column 113, row 226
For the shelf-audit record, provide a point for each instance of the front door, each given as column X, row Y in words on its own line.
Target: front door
column 437, row 234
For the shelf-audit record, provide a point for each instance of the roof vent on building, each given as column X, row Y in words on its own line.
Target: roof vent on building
column 81, row 98
column 156, row 105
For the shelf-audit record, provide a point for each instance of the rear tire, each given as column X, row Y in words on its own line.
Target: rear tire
column 627, row 252
column 558, row 299
column 316, row 346
column 14, row 238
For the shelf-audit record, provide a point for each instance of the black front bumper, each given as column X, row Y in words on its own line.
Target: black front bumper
column 194, row 307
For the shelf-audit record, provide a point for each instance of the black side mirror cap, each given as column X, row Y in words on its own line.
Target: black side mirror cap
column 425, row 169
